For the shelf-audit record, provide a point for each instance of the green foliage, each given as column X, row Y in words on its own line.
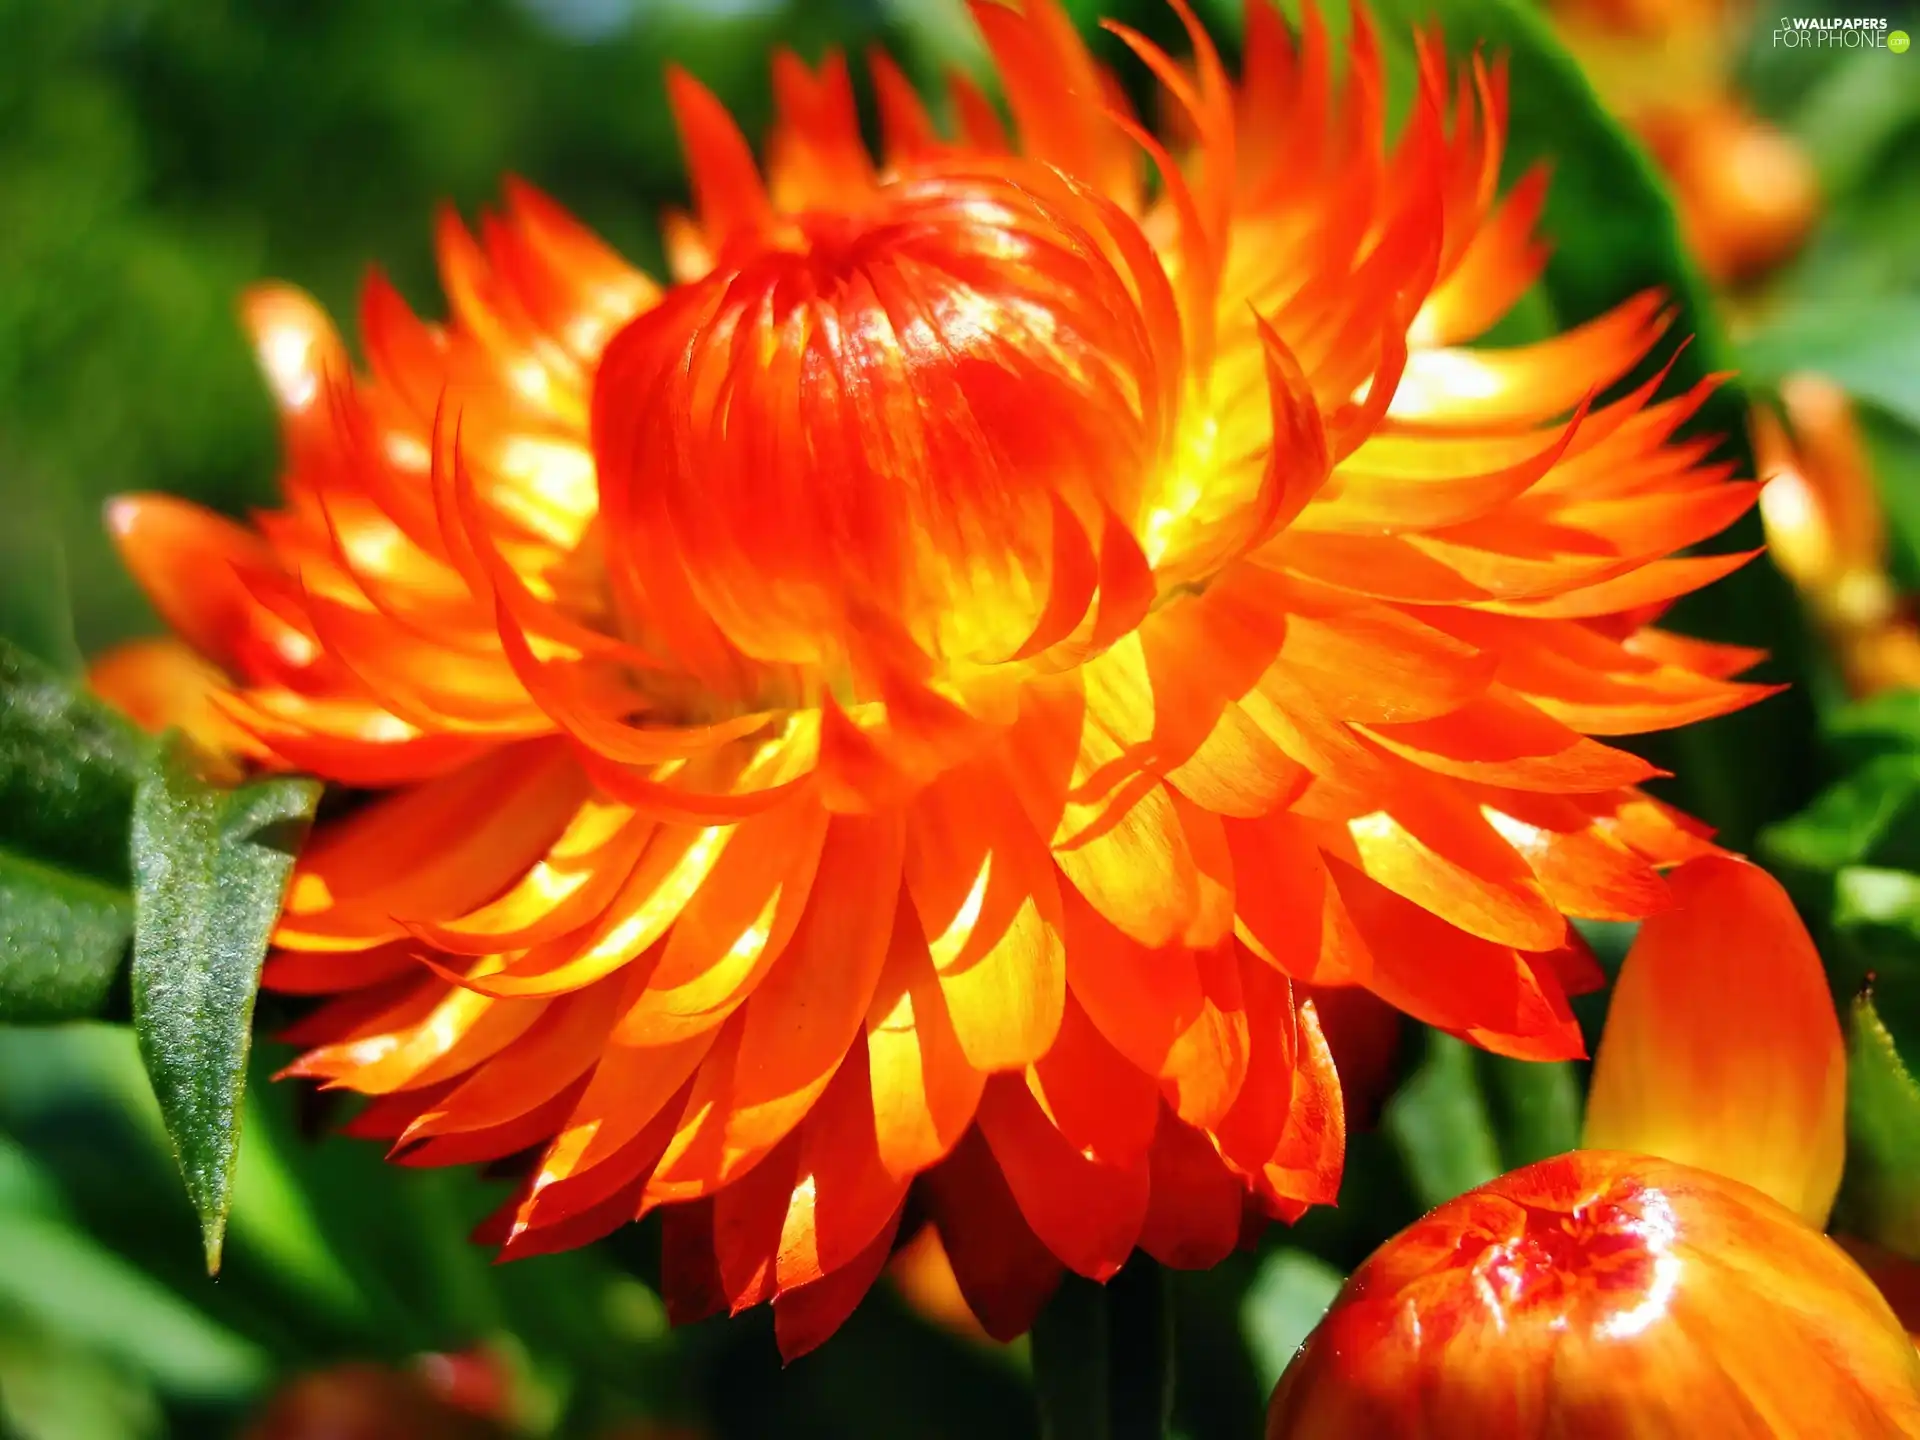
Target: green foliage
column 1880, row 1197
column 1869, row 344
column 68, row 766
column 1103, row 1358
column 210, row 867
column 1870, row 816
column 1465, row 1116
column 1440, row 1123
column 1855, row 854
column 1857, row 113
column 1285, row 1301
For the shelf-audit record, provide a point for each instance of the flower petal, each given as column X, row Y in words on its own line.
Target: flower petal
column 1722, row 1048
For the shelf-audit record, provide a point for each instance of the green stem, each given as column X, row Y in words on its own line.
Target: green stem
column 1140, row 1331
column 1070, row 1363
column 1103, row 1357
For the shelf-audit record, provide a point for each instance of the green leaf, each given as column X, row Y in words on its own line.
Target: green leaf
column 33, row 587
column 54, row 1389
column 1852, row 118
column 1890, row 720
column 1880, row 1198
column 1871, row 898
column 1870, row 816
column 70, row 1285
column 1440, row 1124
column 1869, row 345
column 1536, row 1107
column 63, row 942
column 68, row 768
column 210, row 869
column 1466, row 1116
column 1893, row 450
column 1288, row 1297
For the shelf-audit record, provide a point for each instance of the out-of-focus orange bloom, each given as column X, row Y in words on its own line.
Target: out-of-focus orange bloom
column 369, row 1402
column 1827, row 532
column 164, row 685
column 924, row 1276
column 1610, row 1293
column 1746, row 192
column 904, row 705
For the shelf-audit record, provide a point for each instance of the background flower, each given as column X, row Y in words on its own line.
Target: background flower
column 1668, row 1277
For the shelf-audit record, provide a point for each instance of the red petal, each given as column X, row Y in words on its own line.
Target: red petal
column 1087, row 1212
column 1003, row 1269
column 1194, row 1212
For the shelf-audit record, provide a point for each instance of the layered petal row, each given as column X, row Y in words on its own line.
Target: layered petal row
column 893, row 725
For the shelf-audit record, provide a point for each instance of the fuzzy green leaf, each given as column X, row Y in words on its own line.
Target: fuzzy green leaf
column 1881, row 1196
column 210, row 870
column 68, row 767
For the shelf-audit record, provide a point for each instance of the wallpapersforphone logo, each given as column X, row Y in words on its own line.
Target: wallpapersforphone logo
column 1832, row 33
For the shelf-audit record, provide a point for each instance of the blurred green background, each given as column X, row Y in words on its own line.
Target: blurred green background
column 158, row 155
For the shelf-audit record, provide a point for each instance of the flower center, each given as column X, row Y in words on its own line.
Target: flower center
column 901, row 441
column 1606, row 1255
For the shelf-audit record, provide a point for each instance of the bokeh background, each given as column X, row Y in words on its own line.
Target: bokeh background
column 158, row 155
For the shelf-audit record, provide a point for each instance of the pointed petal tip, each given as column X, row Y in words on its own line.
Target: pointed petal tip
column 120, row 514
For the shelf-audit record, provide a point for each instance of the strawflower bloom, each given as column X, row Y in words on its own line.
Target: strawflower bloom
column 1827, row 531
column 373, row 1402
column 879, row 726
column 1670, row 1281
column 1745, row 190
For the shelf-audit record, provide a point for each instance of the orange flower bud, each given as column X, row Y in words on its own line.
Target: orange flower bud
column 1827, row 531
column 367, row 1402
column 1746, row 192
column 1598, row 1295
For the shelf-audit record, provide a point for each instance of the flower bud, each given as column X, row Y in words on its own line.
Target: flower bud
column 1600, row 1295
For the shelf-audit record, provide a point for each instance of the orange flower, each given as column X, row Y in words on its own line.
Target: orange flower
column 1746, row 191
column 1827, row 533
column 1608, row 1293
column 371, row 1402
column 900, row 708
